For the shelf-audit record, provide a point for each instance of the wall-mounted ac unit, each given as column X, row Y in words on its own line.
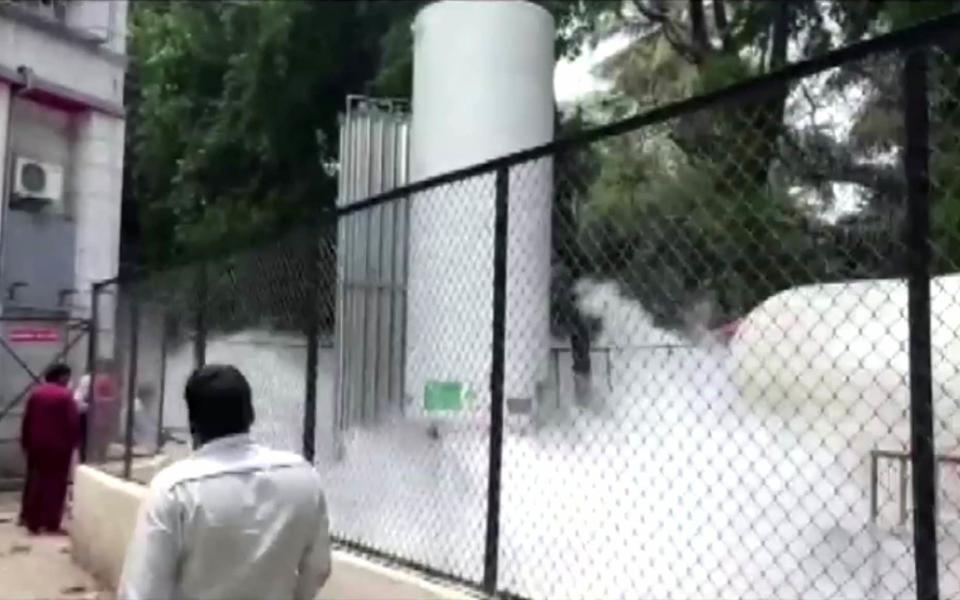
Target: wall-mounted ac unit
column 94, row 18
column 36, row 185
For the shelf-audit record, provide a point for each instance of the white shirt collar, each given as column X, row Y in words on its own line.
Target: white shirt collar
column 230, row 441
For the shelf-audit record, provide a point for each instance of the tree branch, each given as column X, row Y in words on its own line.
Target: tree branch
column 673, row 33
column 658, row 16
column 818, row 159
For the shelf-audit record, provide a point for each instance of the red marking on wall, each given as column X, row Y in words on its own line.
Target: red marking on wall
column 34, row 335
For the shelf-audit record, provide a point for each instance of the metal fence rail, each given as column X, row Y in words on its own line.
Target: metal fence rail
column 663, row 358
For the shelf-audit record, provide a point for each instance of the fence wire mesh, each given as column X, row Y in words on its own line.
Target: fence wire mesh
column 721, row 466
column 708, row 368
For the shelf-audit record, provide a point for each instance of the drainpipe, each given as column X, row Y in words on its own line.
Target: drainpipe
column 16, row 89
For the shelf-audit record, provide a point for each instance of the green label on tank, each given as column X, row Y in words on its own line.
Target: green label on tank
column 443, row 395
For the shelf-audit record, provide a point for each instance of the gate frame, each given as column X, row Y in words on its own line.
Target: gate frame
column 75, row 329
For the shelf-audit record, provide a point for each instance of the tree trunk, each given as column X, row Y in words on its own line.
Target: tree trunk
column 572, row 179
column 762, row 122
column 781, row 34
column 723, row 25
column 580, row 353
column 698, row 29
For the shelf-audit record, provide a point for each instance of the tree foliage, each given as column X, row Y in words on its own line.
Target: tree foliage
column 234, row 124
column 235, row 127
column 724, row 207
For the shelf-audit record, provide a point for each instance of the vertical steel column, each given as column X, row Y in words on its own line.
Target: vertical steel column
column 874, row 484
column 923, row 459
column 131, row 385
column 312, row 331
column 200, row 317
column 164, row 348
column 904, row 484
column 497, row 370
column 365, row 217
column 91, row 367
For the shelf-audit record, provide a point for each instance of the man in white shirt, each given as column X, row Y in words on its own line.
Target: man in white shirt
column 235, row 520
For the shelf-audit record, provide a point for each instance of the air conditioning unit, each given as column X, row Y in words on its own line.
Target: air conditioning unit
column 94, row 18
column 36, row 185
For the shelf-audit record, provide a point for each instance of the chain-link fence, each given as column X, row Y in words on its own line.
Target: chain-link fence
column 708, row 352
column 268, row 310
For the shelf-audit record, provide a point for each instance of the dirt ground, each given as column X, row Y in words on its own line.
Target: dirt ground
column 38, row 568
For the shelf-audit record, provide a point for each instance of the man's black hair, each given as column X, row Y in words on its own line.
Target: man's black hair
column 57, row 373
column 219, row 402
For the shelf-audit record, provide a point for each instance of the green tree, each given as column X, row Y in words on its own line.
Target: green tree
column 234, row 134
column 234, row 109
column 712, row 207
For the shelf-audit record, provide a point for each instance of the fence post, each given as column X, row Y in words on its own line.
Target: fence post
column 131, row 385
column 92, row 350
column 164, row 348
column 923, row 459
column 312, row 331
column 498, row 358
column 200, row 317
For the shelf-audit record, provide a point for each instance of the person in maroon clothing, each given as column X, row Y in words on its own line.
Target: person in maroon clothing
column 50, row 434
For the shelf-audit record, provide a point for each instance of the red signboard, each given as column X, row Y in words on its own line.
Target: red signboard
column 34, row 334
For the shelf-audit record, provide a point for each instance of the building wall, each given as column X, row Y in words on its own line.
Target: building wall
column 59, row 61
column 88, row 143
column 97, row 188
column 72, row 116
column 104, row 19
column 44, row 134
column 4, row 112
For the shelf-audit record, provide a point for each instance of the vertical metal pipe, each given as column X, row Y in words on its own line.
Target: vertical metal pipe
column 362, row 292
column 389, row 259
column 341, row 155
column 313, row 349
column 916, row 165
column 345, row 352
column 377, row 279
column 404, row 233
column 904, row 479
column 339, row 337
column 556, row 373
column 131, row 385
column 94, row 333
column 345, row 251
column 164, row 348
column 936, row 492
column 362, row 279
column 874, row 484
column 497, row 371
column 355, row 332
column 200, row 317
column 9, row 164
column 340, row 281
column 368, row 289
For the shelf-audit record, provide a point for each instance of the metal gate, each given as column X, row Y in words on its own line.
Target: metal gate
column 28, row 346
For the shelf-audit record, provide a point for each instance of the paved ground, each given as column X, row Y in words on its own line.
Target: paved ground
column 38, row 568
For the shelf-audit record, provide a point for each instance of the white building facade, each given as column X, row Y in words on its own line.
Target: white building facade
column 62, row 70
column 62, row 67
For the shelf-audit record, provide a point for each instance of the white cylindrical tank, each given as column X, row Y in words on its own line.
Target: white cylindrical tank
column 482, row 88
column 833, row 361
